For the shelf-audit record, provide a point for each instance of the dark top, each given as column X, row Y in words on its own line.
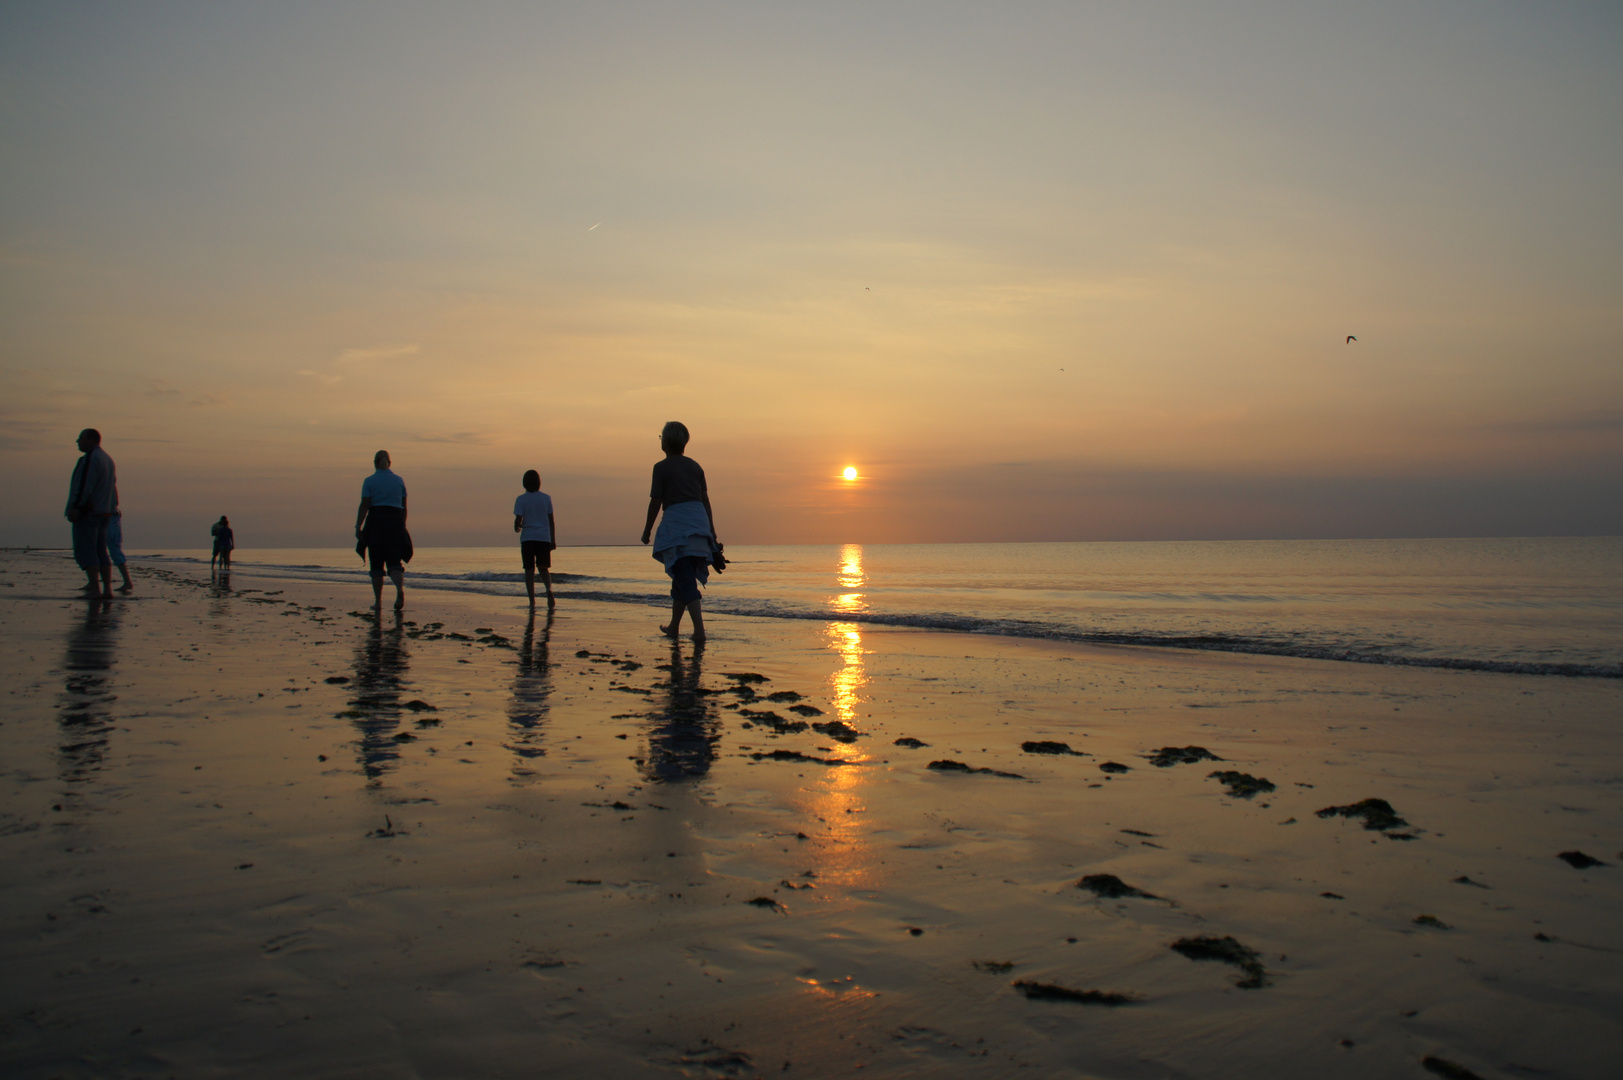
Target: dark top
column 678, row 480
column 224, row 538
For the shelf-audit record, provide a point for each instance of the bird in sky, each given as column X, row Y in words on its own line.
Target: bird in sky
column 1351, row 339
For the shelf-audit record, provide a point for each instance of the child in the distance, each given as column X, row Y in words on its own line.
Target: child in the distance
column 532, row 520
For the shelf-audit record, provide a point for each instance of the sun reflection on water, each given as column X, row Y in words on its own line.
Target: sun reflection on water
column 848, row 575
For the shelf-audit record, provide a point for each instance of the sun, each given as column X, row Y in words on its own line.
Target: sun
column 850, row 472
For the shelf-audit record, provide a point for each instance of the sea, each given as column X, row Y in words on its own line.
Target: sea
column 1547, row 606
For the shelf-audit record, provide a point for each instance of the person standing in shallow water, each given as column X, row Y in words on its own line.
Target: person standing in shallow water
column 687, row 534
column 92, row 502
column 225, row 542
column 380, row 529
column 537, row 535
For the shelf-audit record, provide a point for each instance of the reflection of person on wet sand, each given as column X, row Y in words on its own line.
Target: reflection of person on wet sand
column 225, row 542
column 381, row 665
column 537, row 535
column 682, row 739
column 380, row 529
column 532, row 685
column 85, row 707
column 687, row 534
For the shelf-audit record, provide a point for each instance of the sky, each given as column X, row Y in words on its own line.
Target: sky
column 1039, row 271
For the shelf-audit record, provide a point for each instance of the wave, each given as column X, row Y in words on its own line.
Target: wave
column 494, row 583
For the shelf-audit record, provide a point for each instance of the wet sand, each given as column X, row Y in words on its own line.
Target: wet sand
column 254, row 831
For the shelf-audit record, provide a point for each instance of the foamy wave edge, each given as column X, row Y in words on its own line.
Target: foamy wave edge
column 489, row 583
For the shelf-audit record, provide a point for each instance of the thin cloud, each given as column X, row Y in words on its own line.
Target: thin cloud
column 658, row 391
column 375, row 352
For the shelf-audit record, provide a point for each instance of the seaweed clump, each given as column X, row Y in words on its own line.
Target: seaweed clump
column 796, row 755
column 1378, row 814
column 1578, row 860
column 1241, row 785
column 838, row 730
column 1046, row 746
column 958, row 766
column 1038, row 991
column 1168, row 756
column 1446, row 1068
column 1226, row 950
column 1111, row 887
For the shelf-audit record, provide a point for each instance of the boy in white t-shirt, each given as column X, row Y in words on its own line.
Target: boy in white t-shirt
column 532, row 520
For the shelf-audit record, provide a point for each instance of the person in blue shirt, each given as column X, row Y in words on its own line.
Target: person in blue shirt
column 380, row 529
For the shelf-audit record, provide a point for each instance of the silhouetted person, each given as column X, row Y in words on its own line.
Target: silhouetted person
column 115, row 544
column 687, row 535
column 225, row 542
column 537, row 535
column 380, row 529
column 92, row 502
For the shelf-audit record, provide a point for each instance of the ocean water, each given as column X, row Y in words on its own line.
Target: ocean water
column 1544, row 606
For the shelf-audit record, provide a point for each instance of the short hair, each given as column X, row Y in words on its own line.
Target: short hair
column 379, row 456
column 92, row 434
column 532, row 481
column 674, row 436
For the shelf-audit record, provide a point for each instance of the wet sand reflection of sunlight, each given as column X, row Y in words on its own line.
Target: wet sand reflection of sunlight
column 850, row 679
column 845, row 855
column 849, row 576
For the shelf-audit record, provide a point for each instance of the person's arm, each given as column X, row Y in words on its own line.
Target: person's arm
column 648, row 526
column 76, row 488
column 518, row 522
column 552, row 531
column 364, row 509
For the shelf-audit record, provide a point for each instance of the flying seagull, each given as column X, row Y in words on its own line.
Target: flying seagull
column 1351, row 339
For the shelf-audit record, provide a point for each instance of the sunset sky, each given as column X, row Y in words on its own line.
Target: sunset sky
column 1037, row 271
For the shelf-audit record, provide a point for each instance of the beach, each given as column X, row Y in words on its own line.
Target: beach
column 258, row 830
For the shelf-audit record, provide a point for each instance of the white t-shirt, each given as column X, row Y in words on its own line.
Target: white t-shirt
column 533, row 507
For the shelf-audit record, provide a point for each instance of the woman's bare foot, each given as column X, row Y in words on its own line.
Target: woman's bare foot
column 126, row 588
column 400, row 603
column 668, row 631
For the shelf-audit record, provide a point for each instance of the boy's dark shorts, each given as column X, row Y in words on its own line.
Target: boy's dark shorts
column 537, row 554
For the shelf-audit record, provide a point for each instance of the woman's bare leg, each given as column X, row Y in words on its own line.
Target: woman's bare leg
column 377, row 590
column 677, row 607
column 398, row 576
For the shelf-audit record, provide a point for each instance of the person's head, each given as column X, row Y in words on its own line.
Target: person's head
column 532, row 481
column 224, row 520
column 89, row 439
column 673, row 437
column 380, row 460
